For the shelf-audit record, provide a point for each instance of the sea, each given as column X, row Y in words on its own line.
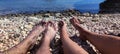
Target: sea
column 33, row 6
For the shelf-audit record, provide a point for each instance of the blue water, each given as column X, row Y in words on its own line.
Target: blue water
column 31, row 6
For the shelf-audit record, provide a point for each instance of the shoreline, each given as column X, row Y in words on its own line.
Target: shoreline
column 69, row 12
column 39, row 12
column 43, row 12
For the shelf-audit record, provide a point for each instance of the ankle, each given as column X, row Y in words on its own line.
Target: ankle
column 45, row 44
column 87, row 34
column 84, row 34
column 64, row 35
column 46, row 38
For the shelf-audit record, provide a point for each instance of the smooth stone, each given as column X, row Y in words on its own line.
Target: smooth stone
column 23, row 32
column 21, row 27
column 28, row 26
column 58, row 15
column 86, row 14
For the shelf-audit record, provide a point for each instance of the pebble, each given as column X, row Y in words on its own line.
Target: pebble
column 21, row 27
column 23, row 32
column 110, row 31
column 15, row 29
column 86, row 14
column 28, row 26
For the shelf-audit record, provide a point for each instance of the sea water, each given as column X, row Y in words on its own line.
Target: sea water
column 32, row 6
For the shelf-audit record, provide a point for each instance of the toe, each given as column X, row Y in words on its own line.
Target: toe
column 71, row 20
column 50, row 23
column 61, row 24
column 41, row 23
column 74, row 21
column 55, row 26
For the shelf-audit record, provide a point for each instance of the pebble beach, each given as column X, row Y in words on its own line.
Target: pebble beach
column 14, row 29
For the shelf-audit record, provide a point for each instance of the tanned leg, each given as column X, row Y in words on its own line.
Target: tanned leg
column 106, row 44
column 69, row 46
column 22, row 47
column 48, row 37
column 1, row 52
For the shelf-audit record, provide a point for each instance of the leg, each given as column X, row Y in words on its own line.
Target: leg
column 106, row 44
column 1, row 52
column 22, row 47
column 69, row 46
column 48, row 37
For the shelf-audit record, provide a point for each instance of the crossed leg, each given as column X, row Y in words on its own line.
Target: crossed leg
column 23, row 47
column 69, row 47
column 106, row 44
column 48, row 37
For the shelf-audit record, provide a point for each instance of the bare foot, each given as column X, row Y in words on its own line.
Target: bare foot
column 51, row 30
column 69, row 46
column 22, row 47
column 38, row 28
column 76, row 23
column 49, row 34
column 63, row 29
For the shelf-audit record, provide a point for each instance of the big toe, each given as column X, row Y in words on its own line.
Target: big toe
column 60, row 24
column 41, row 23
column 74, row 21
column 52, row 24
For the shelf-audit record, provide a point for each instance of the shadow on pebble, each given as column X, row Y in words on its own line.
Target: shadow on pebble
column 118, row 35
column 56, row 46
column 84, row 44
